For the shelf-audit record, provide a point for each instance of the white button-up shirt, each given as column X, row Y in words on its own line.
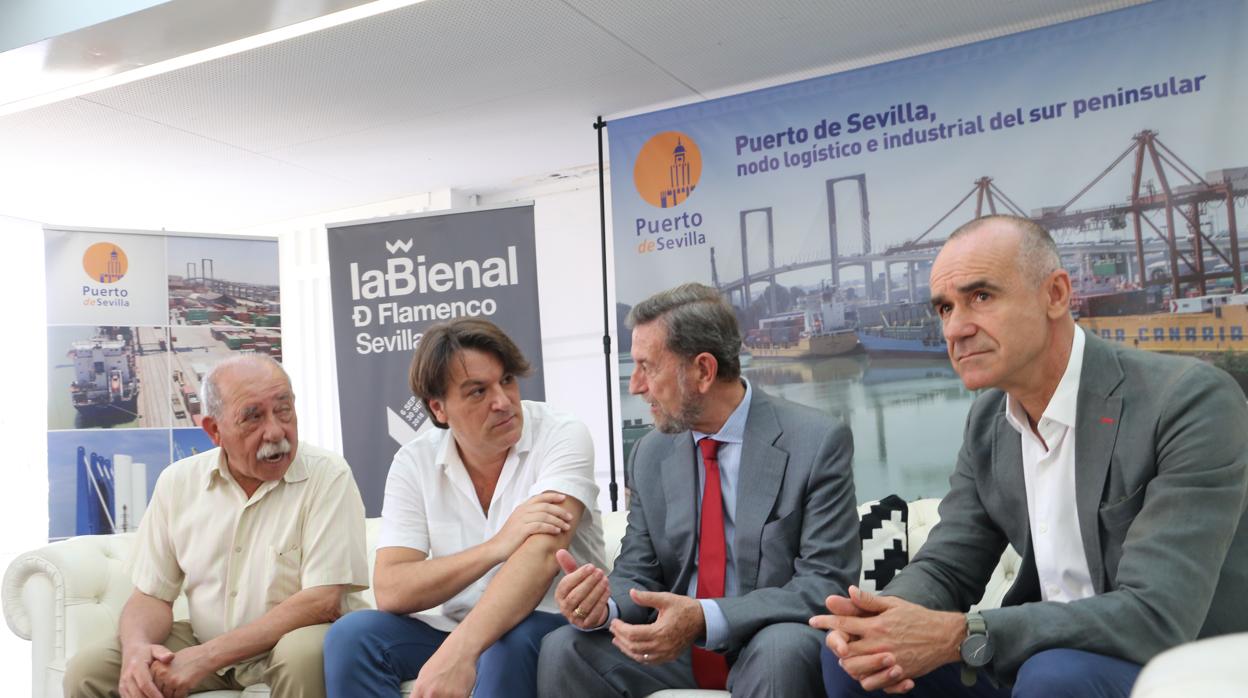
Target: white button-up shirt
column 237, row 556
column 430, row 504
column 1049, row 473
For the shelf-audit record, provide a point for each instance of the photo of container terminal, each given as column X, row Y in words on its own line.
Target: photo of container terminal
column 1152, row 244
column 107, row 377
column 226, row 282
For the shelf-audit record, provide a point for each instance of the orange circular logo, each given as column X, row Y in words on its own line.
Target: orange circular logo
column 105, row 262
column 667, row 170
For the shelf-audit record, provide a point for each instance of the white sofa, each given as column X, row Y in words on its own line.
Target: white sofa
column 68, row 595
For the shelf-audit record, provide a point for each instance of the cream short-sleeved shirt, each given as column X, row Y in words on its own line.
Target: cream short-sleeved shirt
column 431, row 506
column 236, row 557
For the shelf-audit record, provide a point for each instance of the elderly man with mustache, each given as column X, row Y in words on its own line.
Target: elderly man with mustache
column 264, row 534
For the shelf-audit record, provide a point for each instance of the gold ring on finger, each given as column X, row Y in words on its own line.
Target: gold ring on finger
column 578, row 612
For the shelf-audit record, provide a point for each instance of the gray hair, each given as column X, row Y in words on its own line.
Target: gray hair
column 698, row 320
column 210, row 388
column 1037, row 252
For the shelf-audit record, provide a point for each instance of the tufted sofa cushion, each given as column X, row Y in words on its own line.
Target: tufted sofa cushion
column 1211, row 667
column 69, row 595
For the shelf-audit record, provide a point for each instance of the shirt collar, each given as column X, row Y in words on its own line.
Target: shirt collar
column 447, row 455
column 1064, row 403
column 733, row 430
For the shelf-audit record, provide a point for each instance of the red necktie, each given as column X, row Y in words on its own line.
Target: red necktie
column 710, row 669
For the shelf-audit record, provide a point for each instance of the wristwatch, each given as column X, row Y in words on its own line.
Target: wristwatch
column 976, row 648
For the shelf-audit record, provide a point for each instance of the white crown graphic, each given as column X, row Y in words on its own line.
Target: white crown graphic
column 405, row 245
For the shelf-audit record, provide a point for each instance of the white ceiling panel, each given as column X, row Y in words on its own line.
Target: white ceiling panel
column 433, row 57
column 80, row 163
column 716, row 47
column 487, row 145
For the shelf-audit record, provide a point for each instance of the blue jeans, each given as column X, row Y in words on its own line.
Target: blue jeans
column 1057, row 673
column 370, row 653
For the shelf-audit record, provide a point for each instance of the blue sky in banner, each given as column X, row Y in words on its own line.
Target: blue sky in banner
column 910, row 187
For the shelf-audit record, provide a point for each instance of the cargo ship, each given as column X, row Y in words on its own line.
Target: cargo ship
column 907, row 329
column 1201, row 325
column 818, row 329
column 106, row 383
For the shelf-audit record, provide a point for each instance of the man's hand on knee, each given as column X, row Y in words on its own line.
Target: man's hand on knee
column 918, row 640
column 183, row 672
column 836, row 640
column 680, row 622
column 445, row 676
column 877, row 670
column 136, row 670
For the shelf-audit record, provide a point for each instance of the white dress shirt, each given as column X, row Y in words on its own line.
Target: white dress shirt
column 430, row 504
column 1049, row 473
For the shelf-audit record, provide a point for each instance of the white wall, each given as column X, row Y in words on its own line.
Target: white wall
column 23, row 420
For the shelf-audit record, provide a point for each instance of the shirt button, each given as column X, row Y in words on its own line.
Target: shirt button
column 238, row 549
column 1052, row 591
column 1044, row 528
column 233, row 594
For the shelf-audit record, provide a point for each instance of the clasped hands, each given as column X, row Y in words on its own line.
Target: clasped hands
column 884, row 642
column 582, row 597
column 156, row 672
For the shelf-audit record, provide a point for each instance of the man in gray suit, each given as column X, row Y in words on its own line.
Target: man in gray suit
column 742, row 517
column 1119, row 475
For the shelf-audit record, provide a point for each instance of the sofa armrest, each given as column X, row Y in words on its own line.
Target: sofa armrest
column 63, row 597
column 33, row 594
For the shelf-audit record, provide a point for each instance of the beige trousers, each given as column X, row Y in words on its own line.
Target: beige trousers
column 293, row 669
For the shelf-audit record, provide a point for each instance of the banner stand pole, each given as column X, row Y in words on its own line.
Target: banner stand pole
column 614, row 490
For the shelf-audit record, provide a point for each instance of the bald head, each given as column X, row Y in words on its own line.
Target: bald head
column 1037, row 255
column 214, row 389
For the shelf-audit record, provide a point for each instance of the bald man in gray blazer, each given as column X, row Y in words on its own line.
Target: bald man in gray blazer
column 722, row 601
column 1120, row 476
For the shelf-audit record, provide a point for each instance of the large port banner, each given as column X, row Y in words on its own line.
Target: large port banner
column 392, row 278
column 817, row 208
column 135, row 320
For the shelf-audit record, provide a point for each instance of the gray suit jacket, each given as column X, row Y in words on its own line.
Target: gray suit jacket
column 796, row 537
column 1161, row 477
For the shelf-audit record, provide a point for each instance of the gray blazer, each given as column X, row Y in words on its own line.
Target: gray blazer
column 1161, row 479
column 796, row 538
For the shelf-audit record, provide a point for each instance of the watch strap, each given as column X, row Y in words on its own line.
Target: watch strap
column 975, row 625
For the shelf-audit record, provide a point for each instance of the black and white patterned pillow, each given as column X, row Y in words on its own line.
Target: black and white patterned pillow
column 883, row 530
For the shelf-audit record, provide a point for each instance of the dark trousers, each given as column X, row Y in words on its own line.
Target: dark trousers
column 1056, row 673
column 369, row 654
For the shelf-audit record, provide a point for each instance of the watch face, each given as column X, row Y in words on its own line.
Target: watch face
column 976, row 651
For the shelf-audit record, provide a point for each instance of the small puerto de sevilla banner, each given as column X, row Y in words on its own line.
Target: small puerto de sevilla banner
column 390, row 280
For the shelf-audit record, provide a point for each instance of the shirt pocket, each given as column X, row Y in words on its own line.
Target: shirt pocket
column 283, row 574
